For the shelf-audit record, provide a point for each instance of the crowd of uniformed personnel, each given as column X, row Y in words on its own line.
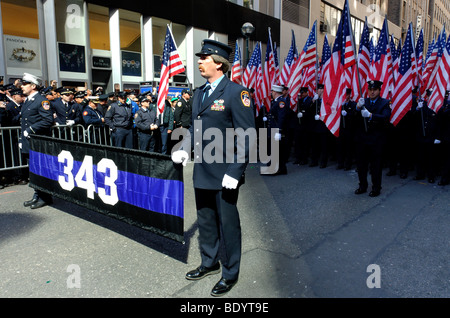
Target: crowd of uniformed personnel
column 130, row 118
column 418, row 146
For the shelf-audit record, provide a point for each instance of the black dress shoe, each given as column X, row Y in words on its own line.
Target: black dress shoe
column 390, row 173
column 203, row 271
column 339, row 167
column 418, row 178
column 223, row 286
column 313, row 164
column 32, row 201
column 403, row 176
column 360, row 191
column 374, row 193
column 38, row 204
column 431, row 180
column 442, row 183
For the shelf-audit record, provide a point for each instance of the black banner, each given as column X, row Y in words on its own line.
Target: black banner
column 141, row 188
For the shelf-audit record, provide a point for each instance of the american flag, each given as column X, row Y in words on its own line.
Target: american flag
column 236, row 69
column 290, row 58
column 307, row 58
column 363, row 66
column 382, row 64
column 276, row 76
column 433, row 62
column 337, row 82
column 419, row 58
column 402, row 98
column 324, row 62
column 249, row 77
column 395, row 56
column 441, row 83
column 259, row 97
column 269, row 73
column 171, row 65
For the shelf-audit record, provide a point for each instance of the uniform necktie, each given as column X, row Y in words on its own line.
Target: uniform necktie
column 206, row 91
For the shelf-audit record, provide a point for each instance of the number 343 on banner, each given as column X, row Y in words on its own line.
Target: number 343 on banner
column 84, row 177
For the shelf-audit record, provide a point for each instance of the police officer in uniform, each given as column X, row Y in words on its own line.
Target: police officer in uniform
column 373, row 116
column 37, row 118
column 66, row 110
column 146, row 122
column 444, row 139
column 219, row 104
column 320, row 134
column 119, row 118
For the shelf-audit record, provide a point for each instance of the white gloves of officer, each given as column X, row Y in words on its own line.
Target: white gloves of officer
column 419, row 105
column 344, row 113
column 229, row 182
column 316, row 97
column 317, row 117
column 277, row 136
column 300, row 115
column 264, row 118
column 26, row 134
column 180, row 156
column 70, row 122
column 365, row 113
column 361, row 102
column 437, row 141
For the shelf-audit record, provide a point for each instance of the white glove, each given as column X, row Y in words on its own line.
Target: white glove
column 70, row 122
column 56, row 124
column 180, row 156
column 343, row 112
column 20, row 145
column 316, row 97
column 229, row 182
column 365, row 113
column 300, row 115
column 25, row 133
column 317, row 117
column 264, row 118
column 361, row 102
column 437, row 141
column 277, row 136
column 419, row 105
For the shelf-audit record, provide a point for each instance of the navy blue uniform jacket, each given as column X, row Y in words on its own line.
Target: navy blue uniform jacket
column 229, row 106
column 37, row 118
column 376, row 126
column 63, row 113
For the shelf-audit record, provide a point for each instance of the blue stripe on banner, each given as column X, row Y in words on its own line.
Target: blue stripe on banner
column 157, row 195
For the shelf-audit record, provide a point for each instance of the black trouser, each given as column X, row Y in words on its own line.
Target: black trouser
column 219, row 227
column 123, row 137
column 345, row 149
column 426, row 164
column 369, row 155
column 146, row 141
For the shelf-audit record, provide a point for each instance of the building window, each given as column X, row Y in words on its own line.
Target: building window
column 296, row 11
column 98, row 27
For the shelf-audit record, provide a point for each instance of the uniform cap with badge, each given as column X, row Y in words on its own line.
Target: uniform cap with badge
column 277, row 88
column 210, row 47
column 372, row 84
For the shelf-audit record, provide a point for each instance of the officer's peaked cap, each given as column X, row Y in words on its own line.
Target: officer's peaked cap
column 374, row 84
column 30, row 78
column 215, row 47
column 277, row 88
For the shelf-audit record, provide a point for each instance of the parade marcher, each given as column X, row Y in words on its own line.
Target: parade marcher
column 303, row 129
column 320, row 134
column 146, row 122
column 346, row 139
column 444, row 139
column 119, row 119
column 426, row 134
column 37, row 118
column 373, row 114
column 279, row 118
column 220, row 104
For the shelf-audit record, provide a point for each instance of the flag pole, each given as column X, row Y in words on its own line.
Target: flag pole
column 317, row 65
column 356, row 64
column 418, row 88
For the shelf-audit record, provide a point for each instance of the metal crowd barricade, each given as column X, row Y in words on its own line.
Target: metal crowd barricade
column 11, row 157
column 98, row 134
column 69, row 132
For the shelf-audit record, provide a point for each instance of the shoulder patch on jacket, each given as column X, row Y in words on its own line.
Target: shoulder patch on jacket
column 245, row 98
column 46, row 105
